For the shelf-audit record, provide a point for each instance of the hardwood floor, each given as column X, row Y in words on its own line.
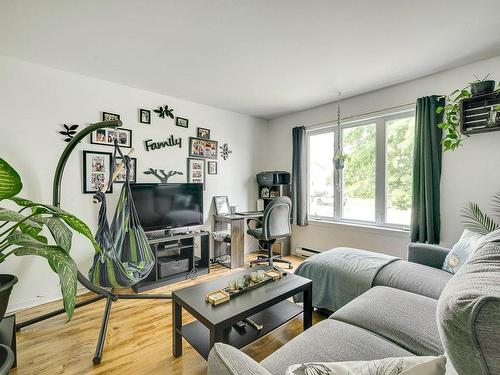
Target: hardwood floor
column 139, row 338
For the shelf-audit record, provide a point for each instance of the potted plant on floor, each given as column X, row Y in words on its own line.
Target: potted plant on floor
column 21, row 234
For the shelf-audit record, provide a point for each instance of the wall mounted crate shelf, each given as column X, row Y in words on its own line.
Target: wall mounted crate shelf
column 475, row 112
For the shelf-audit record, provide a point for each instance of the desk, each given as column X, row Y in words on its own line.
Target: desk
column 240, row 240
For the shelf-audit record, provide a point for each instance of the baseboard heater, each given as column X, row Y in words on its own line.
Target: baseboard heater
column 306, row 252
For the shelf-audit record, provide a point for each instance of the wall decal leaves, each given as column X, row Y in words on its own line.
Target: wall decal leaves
column 69, row 132
column 164, row 111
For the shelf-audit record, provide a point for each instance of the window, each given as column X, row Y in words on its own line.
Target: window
column 321, row 174
column 375, row 184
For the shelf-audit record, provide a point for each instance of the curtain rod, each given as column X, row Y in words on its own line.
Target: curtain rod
column 360, row 115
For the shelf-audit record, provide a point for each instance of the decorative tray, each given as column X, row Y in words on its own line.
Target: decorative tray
column 225, row 294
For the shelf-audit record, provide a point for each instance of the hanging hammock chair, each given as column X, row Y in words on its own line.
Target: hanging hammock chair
column 126, row 258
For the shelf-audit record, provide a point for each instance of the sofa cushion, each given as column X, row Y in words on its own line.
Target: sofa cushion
column 413, row 277
column 330, row 341
column 407, row 319
column 469, row 313
column 386, row 366
column 226, row 360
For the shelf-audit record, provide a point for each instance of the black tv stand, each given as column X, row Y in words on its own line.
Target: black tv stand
column 180, row 248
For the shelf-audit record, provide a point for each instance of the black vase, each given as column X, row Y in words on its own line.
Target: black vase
column 483, row 87
column 6, row 284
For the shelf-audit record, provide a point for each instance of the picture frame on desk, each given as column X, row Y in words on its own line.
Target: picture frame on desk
column 221, row 204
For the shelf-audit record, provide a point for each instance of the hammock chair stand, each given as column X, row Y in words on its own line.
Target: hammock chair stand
column 100, row 293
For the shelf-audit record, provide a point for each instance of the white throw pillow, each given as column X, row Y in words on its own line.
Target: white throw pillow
column 386, row 366
column 461, row 251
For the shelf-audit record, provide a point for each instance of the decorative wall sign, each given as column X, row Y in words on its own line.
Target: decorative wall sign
column 107, row 137
column 144, row 116
column 106, row 116
column 203, row 133
column 170, row 142
column 212, row 167
column 182, row 122
column 164, row 112
column 69, row 132
column 96, row 170
column 196, row 171
column 202, row 148
column 225, row 151
column 132, row 176
column 162, row 176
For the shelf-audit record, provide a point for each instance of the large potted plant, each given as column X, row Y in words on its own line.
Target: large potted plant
column 21, row 234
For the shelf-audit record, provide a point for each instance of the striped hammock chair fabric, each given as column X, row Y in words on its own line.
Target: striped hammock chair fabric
column 126, row 257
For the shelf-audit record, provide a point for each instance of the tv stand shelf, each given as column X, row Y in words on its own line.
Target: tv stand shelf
column 190, row 246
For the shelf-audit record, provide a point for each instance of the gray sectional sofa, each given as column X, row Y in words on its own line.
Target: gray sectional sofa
column 397, row 317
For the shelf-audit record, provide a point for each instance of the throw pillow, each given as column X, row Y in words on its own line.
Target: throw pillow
column 461, row 251
column 386, row 366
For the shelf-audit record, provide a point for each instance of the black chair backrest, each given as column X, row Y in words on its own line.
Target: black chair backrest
column 276, row 218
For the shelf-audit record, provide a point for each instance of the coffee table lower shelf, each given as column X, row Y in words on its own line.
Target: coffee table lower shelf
column 199, row 337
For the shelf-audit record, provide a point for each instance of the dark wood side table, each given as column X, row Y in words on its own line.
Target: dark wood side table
column 266, row 305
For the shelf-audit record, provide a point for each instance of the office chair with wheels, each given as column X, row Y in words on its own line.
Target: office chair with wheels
column 275, row 224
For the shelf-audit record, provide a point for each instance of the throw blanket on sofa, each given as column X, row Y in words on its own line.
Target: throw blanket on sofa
column 340, row 275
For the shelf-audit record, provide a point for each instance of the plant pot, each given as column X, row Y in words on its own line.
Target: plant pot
column 339, row 164
column 6, row 284
column 483, row 87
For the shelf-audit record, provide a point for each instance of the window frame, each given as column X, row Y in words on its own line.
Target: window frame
column 380, row 169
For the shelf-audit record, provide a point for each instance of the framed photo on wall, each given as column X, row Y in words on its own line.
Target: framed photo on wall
column 96, row 171
column 196, row 171
column 202, row 148
column 106, row 116
column 212, row 167
column 203, row 133
column 132, row 176
column 144, row 116
column 107, row 137
column 182, row 122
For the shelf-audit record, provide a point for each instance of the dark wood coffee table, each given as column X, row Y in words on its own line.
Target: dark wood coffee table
column 266, row 305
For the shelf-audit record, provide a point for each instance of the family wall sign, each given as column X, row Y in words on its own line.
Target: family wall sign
column 170, row 142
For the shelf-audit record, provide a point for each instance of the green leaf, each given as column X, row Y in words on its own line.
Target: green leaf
column 9, row 215
column 62, row 235
column 476, row 220
column 10, row 181
column 497, row 108
column 23, row 202
column 24, row 239
column 495, row 200
column 65, row 267
column 439, row 110
column 30, row 230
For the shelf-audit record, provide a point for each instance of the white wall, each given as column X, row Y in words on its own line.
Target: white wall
column 471, row 173
column 34, row 103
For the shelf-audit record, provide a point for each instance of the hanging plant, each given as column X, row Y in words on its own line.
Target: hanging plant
column 453, row 138
column 164, row 111
column 69, row 132
column 340, row 159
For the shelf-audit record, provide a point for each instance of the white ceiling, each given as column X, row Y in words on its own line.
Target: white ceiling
column 260, row 57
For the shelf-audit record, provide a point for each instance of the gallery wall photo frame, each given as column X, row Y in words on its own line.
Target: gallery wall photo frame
column 212, row 167
column 144, row 116
column 107, row 136
column 203, row 133
column 203, row 148
column 182, row 122
column 108, row 116
column 196, row 171
column 132, row 177
column 96, row 171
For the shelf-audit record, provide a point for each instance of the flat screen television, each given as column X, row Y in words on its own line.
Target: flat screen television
column 168, row 206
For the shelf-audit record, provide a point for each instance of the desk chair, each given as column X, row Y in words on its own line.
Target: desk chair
column 275, row 224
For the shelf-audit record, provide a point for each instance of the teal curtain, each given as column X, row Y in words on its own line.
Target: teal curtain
column 426, row 216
